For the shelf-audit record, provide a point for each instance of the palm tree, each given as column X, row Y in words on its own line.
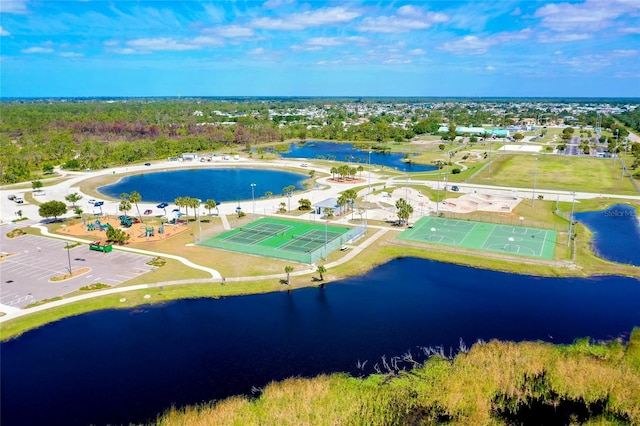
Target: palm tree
column 135, row 198
column 73, row 198
column 333, row 171
column 210, row 204
column 321, row 270
column 268, row 194
column 288, row 270
column 124, row 206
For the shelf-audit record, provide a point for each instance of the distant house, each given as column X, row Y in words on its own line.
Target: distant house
column 189, row 156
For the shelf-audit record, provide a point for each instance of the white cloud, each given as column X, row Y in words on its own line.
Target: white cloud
column 70, row 54
column 4, row 32
column 630, row 30
column 468, row 44
column 13, row 6
column 315, row 18
column 558, row 52
column 624, row 53
column 158, row 44
column 407, row 18
column 256, row 51
column 490, row 68
column 318, row 43
column 37, row 50
column 591, row 14
column 274, row 4
column 417, row 52
column 231, row 31
column 562, row 37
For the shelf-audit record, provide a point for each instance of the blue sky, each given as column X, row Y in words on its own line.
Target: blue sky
column 319, row 48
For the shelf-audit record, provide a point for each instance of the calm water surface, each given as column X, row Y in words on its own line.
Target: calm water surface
column 218, row 184
column 347, row 152
column 616, row 233
column 119, row 366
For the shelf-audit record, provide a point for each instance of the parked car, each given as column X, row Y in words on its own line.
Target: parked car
column 147, row 164
column 91, row 201
column 18, row 200
column 12, row 197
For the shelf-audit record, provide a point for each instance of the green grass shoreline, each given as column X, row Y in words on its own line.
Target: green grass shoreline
column 382, row 251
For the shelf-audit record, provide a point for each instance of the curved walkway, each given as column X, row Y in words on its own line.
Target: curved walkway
column 12, row 313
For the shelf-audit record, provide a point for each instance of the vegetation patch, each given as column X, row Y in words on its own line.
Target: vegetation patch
column 157, row 262
column 73, row 274
column 493, row 383
column 15, row 233
column 96, row 286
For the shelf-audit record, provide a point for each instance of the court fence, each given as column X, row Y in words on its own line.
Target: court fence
column 309, row 257
column 503, row 220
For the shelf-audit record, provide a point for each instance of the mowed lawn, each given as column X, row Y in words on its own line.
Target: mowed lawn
column 559, row 172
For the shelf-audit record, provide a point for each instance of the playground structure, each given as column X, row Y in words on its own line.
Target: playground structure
column 126, row 221
column 98, row 246
column 98, row 226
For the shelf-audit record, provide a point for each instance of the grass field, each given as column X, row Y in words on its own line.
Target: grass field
column 600, row 175
column 517, row 240
column 283, row 239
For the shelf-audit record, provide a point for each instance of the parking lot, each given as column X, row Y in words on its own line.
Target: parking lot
column 26, row 274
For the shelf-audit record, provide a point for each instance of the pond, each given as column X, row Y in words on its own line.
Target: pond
column 350, row 153
column 218, row 184
column 616, row 233
column 120, row 366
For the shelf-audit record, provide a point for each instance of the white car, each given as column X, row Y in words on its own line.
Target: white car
column 18, row 200
column 91, row 201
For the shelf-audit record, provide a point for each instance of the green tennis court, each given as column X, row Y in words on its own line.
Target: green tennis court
column 302, row 242
column 518, row 240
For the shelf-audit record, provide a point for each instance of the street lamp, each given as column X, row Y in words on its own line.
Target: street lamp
column 573, row 200
column 369, row 171
column 535, row 176
column 325, row 239
column 253, row 198
column 68, row 247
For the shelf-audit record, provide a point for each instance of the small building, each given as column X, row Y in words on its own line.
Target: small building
column 189, row 156
column 331, row 203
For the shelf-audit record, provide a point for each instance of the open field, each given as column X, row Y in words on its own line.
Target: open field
column 599, row 175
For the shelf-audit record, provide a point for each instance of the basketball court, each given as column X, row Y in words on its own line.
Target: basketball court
column 517, row 240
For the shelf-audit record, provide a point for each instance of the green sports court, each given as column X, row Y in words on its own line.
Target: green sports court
column 302, row 242
column 516, row 240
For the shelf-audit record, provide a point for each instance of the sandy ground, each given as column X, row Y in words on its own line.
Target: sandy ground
column 136, row 232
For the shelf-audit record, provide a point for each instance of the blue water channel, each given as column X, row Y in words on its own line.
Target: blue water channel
column 349, row 153
column 221, row 185
column 121, row 366
column 616, row 233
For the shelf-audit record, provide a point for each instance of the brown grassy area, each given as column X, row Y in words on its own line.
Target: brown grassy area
column 494, row 383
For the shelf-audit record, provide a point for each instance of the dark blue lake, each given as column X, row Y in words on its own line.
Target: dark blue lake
column 616, row 233
column 349, row 153
column 121, row 366
column 204, row 183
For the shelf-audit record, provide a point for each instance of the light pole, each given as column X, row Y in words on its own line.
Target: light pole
column 573, row 200
column 369, row 171
column 325, row 239
column 253, row 198
column 406, row 190
column 68, row 256
column 438, row 199
column 622, row 159
column 535, row 176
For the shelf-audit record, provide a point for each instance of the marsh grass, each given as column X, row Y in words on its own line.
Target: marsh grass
column 493, row 383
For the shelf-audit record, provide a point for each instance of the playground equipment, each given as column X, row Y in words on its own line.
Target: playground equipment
column 98, row 246
column 125, row 221
column 97, row 225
